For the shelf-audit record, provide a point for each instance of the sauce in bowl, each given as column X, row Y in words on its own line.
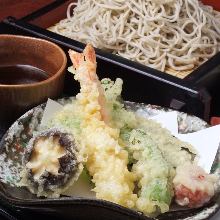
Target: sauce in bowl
column 21, row 74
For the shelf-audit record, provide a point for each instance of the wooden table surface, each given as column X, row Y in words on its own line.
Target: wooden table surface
column 20, row 8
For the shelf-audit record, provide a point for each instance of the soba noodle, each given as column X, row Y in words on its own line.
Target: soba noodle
column 163, row 34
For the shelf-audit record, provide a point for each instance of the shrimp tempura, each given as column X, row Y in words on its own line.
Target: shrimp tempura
column 107, row 160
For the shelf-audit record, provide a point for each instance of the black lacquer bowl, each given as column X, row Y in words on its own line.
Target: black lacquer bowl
column 12, row 147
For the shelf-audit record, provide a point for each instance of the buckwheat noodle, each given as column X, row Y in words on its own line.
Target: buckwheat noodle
column 162, row 34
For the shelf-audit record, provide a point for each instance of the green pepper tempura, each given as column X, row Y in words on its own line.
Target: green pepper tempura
column 154, row 174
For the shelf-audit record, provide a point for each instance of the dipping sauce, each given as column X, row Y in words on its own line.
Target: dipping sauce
column 21, row 74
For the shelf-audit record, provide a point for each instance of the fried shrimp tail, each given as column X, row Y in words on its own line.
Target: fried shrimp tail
column 85, row 72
